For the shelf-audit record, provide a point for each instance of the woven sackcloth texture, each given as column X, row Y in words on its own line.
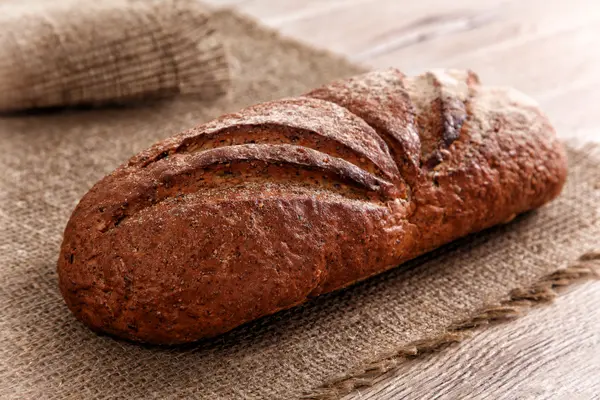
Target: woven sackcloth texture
column 50, row 160
column 111, row 51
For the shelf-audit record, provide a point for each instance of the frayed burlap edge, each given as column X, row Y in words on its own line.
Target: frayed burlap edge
column 519, row 300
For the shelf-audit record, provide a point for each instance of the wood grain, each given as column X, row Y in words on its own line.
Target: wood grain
column 546, row 48
column 549, row 49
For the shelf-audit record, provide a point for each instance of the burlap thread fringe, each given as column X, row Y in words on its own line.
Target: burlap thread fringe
column 544, row 291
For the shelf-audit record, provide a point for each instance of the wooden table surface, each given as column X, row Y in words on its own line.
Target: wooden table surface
column 549, row 49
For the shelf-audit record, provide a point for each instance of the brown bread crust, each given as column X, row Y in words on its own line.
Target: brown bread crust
column 263, row 209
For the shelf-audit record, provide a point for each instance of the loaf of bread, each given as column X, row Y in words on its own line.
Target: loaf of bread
column 263, row 209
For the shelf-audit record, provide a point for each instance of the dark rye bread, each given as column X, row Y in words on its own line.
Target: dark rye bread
column 263, row 209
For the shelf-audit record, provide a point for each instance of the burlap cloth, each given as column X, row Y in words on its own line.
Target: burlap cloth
column 48, row 161
column 109, row 52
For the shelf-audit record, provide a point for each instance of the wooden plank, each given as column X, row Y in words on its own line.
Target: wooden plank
column 550, row 55
column 515, row 45
column 282, row 13
column 544, row 48
column 365, row 24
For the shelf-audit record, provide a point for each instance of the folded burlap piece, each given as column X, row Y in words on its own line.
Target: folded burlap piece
column 50, row 160
column 56, row 54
